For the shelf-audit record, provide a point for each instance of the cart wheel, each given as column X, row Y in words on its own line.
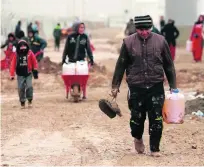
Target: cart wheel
column 76, row 93
column 76, row 99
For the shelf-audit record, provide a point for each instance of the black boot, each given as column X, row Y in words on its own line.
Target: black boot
column 22, row 105
column 30, row 103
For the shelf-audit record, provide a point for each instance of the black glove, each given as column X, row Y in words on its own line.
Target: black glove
column 63, row 61
column 91, row 62
column 35, row 74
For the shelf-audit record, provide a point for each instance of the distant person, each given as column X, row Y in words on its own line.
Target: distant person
column 197, row 37
column 29, row 27
column 11, row 44
column 18, row 29
column 57, row 36
column 24, row 64
column 162, row 22
column 23, row 37
column 154, row 29
column 37, row 44
column 171, row 33
column 130, row 28
column 203, row 30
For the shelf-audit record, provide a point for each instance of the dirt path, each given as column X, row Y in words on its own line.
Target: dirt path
column 58, row 132
column 64, row 133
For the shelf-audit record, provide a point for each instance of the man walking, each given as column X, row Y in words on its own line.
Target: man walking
column 130, row 28
column 18, row 29
column 57, row 36
column 144, row 55
column 171, row 33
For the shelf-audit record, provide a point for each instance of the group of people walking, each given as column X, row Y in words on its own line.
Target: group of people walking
column 171, row 33
column 24, row 53
column 146, row 55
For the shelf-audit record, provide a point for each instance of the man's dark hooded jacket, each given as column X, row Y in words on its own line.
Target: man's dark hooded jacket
column 171, row 33
column 71, row 43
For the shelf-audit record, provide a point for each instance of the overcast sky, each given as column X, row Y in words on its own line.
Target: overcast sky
column 96, row 9
column 74, row 7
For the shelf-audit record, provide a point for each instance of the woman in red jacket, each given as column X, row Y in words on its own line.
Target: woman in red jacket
column 197, row 39
column 24, row 64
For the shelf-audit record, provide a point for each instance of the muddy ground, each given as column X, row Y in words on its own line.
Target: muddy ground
column 58, row 132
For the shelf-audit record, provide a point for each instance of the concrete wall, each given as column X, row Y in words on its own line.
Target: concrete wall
column 200, row 7
column 49, row 12
column 92, row 10
column 184, row 12
column 155, row 8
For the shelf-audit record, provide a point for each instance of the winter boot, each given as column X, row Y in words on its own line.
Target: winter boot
column 22, row 105
column 29, row 103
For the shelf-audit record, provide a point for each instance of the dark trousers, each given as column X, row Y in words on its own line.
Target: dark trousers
column 57, row 43
column 142, row 101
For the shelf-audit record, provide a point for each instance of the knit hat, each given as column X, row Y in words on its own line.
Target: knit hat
column 143, row 22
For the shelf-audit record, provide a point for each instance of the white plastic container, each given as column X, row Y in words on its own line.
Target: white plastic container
column 174, row 108
column 14, row 49
column 189, row 45
column 82, row 68
column 69, row 69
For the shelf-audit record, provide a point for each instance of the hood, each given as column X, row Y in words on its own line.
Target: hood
column 19, row 23
column 199, row 21
column 169, row 25
column 75, row 26
column 31, row 31
column 11, row 35
column 21, row 34
column 35, row 33
column 22, row 47
column 58, row 27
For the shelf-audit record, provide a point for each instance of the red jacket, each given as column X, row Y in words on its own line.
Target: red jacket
column 32, row 63
column 196, row 32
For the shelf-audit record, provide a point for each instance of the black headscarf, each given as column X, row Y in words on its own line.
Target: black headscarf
column 11, row 35
column 199, row 21
column 76, row 27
